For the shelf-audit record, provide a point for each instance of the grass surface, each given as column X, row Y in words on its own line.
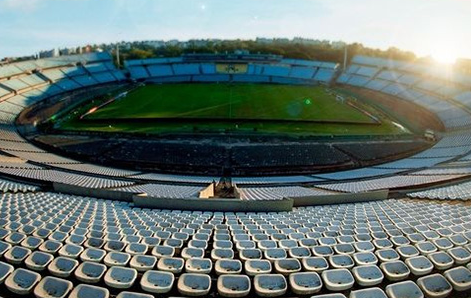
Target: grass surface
column 229, row 107
column 225, row 101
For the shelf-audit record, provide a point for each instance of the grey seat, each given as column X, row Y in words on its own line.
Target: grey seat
column 435, row 286
column 270, row 285
column 22, row 281
column 120, row 277
column 338, row 279
column 194, row 284
column 233, row 285
column 368, row 293
column 52, row 287
column 368, row 275
column 404, row 289
column 87, row 291
column 158, row 282
column 90, row 272
column 305, row 283
column 459, row 277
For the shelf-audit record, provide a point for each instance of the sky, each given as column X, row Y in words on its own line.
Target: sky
column 440, row 28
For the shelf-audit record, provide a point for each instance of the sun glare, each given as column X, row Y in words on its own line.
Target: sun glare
column 444, row 55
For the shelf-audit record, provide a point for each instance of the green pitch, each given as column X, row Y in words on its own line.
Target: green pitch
column 231, row 107
column 224, row 101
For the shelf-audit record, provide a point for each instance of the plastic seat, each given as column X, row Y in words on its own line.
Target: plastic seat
column 198, row 265
column 62, row 267
column 133, row 295
column 158, row 282
column 344, row 249
column 460, row 255
column 22, row 281
column 316, row 264
column 250, row 254
column 38, row 261
column 459, row 277
column 194, row 284
column 388, row 254
column 52, row 287
column 419, row 265
column 405, row 289
column 50, row 246
column 441, row 260
column 16, row 255
column 395, row 270
column 434, row 286
column 228, row 266
column 368, row 293
column 5, row 271
column 364, row 246
column 233, row 285
column 143, row 263
column 322, row 251
column 87, row 291
column 338, row 279
column 189, row 253
column 270, row 285
column 32, row 242
column 273, row 254
column 368, row 275
column 136, row 249
column 114, row 258
column 426, row 248
column 120, row 277
column 333, row 295
column 161, row 251
column 341, row 261
column 305, row 283
column 70, row 251
column 299, row 252
column 114, row 245
column 365, row 258
column 92, row 255
column 174, row 265
column 222, row 253
column 407, row 251
column 90, row 272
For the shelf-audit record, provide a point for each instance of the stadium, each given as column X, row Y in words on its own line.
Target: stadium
column 234, row 174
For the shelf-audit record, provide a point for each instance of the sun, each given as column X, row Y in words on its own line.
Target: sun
column 444, row 55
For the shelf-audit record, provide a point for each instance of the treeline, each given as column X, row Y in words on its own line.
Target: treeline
column 321, row 52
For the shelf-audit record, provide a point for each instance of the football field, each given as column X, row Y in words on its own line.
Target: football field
column 233, row 107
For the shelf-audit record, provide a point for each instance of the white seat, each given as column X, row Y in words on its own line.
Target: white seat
column 198, row 265
column 368, row 293
column 90, row 272
column 419, row 265
column 270, row 285
column 163, row 251
column 174, row 265
column 441, row 260
column 404, row 289
column 143, row 263
column 16, row 255
column 71, row 251
column 338, row 279
column 434, row 286
column 133, row 295
column 395, row 270
column 93, row 255
column 233, row 285
column 459, row 277
column 316, row 264
column 250, row 254
column 341, row 261
column 62, row 267
column 158, row 282
column 120, row 277
column 194, row 284
column 38, row 260
column 5, row 271
column 87, row 291
column 52, row 287
column 228, row 266
column 460, row 255
column 305, row 283
column 368, row 275
column 114, row 258
column 22, row 281
column 255, row 267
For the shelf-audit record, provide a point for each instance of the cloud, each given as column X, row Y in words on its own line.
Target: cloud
column 19, row 5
